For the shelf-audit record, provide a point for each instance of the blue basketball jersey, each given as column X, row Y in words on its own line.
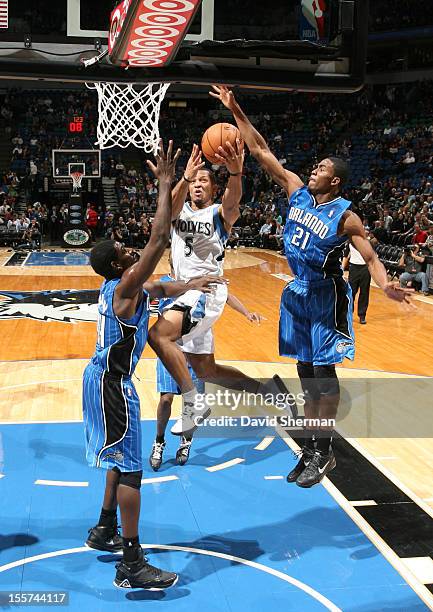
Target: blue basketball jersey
column 120, row 343
column 313, row 248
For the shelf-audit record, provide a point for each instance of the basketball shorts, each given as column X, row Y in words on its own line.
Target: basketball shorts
column 201, row 312
column 165, row 382
column 112, row 426
column 316, row 321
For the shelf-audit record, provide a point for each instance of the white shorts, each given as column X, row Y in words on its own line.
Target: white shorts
column 201, row 312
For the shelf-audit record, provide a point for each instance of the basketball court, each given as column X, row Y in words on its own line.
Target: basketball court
column 239, row 536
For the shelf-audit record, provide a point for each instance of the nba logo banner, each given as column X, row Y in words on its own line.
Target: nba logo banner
column 312, row 20
column 4, row 14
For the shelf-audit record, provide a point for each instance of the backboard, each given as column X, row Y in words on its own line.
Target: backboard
column 66, row 161
column 309, row 45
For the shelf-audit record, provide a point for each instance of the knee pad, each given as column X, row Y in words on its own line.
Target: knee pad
column 326, row 380
column 307, row 378
column 131, row 479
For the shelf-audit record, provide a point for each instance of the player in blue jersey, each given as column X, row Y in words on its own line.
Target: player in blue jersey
column 167, row 387
column 111, row 406
column 316, row 307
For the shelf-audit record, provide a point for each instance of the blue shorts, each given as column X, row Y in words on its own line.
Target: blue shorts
column 165, row 382
column 112, row 426
column 316, row 321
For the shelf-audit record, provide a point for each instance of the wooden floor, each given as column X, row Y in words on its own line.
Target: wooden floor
column 42, row 362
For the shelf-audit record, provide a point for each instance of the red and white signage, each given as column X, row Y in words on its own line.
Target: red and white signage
column 147, row 33
column 4, row 14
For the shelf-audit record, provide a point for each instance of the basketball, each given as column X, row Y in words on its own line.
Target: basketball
column 216, row 136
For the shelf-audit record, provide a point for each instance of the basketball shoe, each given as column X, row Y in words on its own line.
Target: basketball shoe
column 319, row 465
column 305, row 455
column 104, row 538
column 190, row 418
column 141, row 575
column 182, row 453
column 155, row 458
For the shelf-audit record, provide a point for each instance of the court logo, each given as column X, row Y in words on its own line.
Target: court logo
column 67, row 306
column 76, row 237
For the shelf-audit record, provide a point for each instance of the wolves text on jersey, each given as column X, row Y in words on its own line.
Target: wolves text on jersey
column 194, row 227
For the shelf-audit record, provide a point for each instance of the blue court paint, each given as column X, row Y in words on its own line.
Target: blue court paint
column 303, row 534
column 72, row 258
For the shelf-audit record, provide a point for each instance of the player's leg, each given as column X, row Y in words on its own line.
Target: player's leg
column 104, row 535
column 364, row 294
column 133, row 571
column 163, row 413
column 162, row 338
column 332, row 341
column 354, row 281
column 311, row 412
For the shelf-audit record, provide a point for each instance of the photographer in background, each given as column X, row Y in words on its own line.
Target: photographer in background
column 412, row 263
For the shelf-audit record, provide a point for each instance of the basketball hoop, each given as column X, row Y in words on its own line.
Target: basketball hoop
column 129, row 114
column 76, row 177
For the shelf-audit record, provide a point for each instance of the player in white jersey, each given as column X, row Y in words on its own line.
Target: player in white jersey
column 200, row 231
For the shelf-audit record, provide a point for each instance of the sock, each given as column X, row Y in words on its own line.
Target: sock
column 131, row 548
column 160, row 439
column 324, row 442
column 310, row 439
column 108, row 518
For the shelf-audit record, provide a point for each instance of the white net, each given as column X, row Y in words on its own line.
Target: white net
column 129, row 114
column 76, row 177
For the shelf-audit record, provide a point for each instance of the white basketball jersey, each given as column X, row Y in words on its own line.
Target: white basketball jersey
column 197, row 242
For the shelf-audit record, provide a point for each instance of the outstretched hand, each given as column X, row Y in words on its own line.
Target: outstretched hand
column 255, row 317
column 232, row 157
column 206, row 284
column 194, row 164
column 399, row 294
column 165, row 162
column 224, row 95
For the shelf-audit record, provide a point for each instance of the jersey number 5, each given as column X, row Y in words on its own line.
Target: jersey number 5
column 300, row 234
column 188, row 246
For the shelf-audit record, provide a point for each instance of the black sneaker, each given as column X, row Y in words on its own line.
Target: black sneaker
column 104, row 538
column 141, row 575
column 317, row 469
column 182, row 453
column 155, row 458
column 305, row 455
column 362, row 321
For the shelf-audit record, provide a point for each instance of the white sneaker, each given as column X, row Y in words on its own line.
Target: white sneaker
column 190, row 418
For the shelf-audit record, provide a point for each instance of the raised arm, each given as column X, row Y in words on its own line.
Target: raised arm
column 233, row 159
column 180, row 191
column 256, row 143
column 173, row 289
column 354, row 230
column 134, row 277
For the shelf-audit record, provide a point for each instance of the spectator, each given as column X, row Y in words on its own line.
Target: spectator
column 412, row 263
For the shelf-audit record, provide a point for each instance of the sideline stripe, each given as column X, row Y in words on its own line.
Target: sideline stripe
column 225, row 465
column 267, row 441
column 363, row 502
column 398, row 564
column 274, row 477
column 199, row 551
column 158, row 479
column 61, row 483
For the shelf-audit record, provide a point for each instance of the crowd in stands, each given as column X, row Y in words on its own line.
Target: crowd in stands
column 386, row 134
